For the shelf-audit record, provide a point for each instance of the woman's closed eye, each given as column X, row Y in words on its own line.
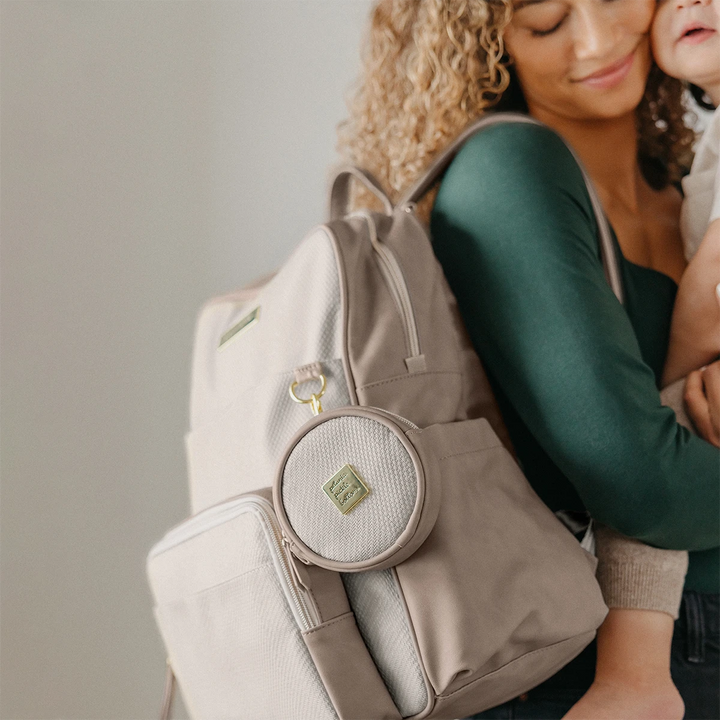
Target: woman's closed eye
column 543, row 8
column 542, row 17
column 541, row 33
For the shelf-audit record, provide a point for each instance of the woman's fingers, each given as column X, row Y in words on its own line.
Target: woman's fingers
column 698, row 406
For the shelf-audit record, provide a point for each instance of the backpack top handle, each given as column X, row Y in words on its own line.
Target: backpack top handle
column 340, row 187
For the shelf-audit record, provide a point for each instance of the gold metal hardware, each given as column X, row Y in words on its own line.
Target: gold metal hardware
column 314, row 398
column 346, row 489
column 239, row 327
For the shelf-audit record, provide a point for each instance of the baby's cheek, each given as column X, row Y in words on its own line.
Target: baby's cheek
column 661, row 36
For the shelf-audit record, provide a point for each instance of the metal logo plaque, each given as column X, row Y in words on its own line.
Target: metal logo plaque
column 238, row 328
column 345, row 489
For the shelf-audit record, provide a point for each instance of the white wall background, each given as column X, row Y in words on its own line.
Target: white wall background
column 154, row 153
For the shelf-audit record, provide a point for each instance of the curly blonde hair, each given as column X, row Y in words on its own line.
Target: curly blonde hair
column 429, row 67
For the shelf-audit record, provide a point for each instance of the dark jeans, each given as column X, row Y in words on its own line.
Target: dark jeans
column 694, row 664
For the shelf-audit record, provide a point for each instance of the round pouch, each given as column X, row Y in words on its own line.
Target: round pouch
column 357, row 489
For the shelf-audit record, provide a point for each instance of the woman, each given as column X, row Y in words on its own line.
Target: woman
column 576, row 374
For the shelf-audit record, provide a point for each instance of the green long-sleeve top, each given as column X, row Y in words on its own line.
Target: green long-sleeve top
column 576, row 374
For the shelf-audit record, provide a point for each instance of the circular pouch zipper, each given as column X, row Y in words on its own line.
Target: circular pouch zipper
column 357, row 489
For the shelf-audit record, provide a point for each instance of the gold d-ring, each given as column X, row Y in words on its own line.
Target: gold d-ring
column 314, row 399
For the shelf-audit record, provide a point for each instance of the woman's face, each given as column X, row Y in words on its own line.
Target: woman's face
column 557, row 45
column 686, row 40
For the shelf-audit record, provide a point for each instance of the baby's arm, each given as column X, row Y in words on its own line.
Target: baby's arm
column 695, row 325
column 642, row 586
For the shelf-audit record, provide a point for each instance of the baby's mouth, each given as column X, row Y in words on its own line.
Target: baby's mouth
column 696, row 33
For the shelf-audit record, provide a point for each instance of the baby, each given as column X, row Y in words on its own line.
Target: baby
column 643, row 585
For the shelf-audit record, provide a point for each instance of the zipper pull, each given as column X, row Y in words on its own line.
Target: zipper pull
column 289, row 545
column 300, row 575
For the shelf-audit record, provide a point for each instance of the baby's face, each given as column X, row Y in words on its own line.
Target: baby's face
column 685, row 38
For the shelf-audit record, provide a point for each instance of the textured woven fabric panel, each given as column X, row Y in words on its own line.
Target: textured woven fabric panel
column 299, row 322
column 383, row 464
column 234, row 644
column 184, row 568
column 238, row 653
column 238, row 449
column 241, row 413
column 380, row 617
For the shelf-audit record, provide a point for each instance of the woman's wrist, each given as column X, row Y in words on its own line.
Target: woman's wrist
column 633, row 647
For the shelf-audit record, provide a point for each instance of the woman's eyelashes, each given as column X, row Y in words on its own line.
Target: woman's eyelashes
column 542, row 33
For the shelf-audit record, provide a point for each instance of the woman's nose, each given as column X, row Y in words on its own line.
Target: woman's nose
column 688, row 3
column 595, row 34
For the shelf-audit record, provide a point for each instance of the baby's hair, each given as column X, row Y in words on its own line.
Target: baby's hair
column 701, row 97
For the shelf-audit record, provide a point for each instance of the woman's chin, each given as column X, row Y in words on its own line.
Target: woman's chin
column 612, row 102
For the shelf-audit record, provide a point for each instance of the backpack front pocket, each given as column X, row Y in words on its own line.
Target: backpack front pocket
column 232, row 615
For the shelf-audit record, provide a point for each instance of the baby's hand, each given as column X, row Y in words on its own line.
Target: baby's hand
column 695, row 324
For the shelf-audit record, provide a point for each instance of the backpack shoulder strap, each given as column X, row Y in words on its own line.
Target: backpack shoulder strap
column 418, row 189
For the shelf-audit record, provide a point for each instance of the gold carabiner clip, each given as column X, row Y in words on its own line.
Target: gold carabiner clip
column 314, row 398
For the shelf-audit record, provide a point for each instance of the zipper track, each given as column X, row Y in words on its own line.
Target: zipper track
column 282, row 555
column 221, row 512
column 393, row 274
column 395, row 415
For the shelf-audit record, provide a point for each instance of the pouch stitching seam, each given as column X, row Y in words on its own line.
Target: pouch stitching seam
column 408, row 375
column 188, row 596
column 346, row 616
column 467, row 452
column 317, row 605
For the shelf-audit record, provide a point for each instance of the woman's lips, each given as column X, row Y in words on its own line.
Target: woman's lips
column 612, row 78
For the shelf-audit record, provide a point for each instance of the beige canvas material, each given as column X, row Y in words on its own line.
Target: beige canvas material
column 497, row 687
column 474, row 621
column 487, row 587
column 340, row 191
column 351, row 679
column 381, row 613
column 341, row 311
column 350, row 676
column 500, row 594
column 216, row 588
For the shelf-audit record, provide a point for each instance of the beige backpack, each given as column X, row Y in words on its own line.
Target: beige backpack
column 364, row 544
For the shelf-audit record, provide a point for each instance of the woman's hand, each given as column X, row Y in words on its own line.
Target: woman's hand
column 702, row 399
